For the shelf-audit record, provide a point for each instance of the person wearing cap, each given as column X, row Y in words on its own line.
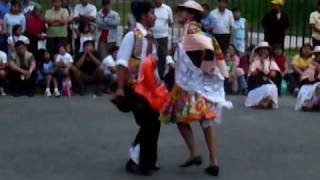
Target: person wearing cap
column 108, row 21
column 223, row 24
column 137, row 48
column 161, row 30
column 312, row 74
column 275, row 23
column 264, row 79
column 315, row 25
column 198, row 80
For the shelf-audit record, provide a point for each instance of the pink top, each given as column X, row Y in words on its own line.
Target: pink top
column 267, row 65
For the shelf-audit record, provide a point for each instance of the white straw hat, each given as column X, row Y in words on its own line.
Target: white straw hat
column 192, row 5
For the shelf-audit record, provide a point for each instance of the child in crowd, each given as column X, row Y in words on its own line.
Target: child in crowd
column 280, row 58
column 86, row 33
column 237, row 81
column 207, row 21
column 264, row 73
column 3, row 67
column 312, row 75
column 109, row 67
column 48, row 71
column 64, row 68
column 240, row 31
column 16, row 36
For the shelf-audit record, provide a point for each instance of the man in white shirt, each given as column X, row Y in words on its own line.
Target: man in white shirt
column 3, row 72
column 224, row 21
column 161, row 30
column 138, row 44
column 85, row 11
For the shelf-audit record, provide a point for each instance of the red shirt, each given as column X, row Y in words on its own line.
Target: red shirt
column 244, row 63
column 281, row 62
column 34, row 26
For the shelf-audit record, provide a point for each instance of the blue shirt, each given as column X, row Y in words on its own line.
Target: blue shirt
column 4, row 8
column 208, row 21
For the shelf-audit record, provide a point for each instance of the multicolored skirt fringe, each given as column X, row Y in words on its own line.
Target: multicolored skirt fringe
column 186, row 107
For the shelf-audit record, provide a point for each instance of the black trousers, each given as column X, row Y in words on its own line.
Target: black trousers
column 147, row 137
column 162, row 54
column 224, row 41
column 19, row 86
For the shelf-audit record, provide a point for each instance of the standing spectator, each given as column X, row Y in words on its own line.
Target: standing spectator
column 89, row 64
column 207, row 21
column 164, row 19
column 70, row 8
column 85, row 11
column 57, row 20
column 107, row 25
column 315, row 25
column 22, row 70
column 280, row 58
column 86, row 33
column 240, row 31
column 35, row 28
column 3, row 72
column 275, row 24
column 27, row 6
column 4, row 8
column 3, row 33
column 15, row 17
column 224, row 22
column 15, row 37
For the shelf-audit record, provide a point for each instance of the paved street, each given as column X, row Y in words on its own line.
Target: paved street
column 86, row 138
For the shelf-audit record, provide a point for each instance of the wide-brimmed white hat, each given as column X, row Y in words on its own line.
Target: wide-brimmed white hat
column 192, row 5
column 316, row 49
column 263, row 44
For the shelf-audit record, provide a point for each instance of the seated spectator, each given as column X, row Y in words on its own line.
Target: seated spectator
column 3, row 72
column 312, row 75
column 109, row 66
column 280, row 58
column 22, row 70
column 64, row 66
column 236, row 82
column 15, row 37
column 245, row 60
column 309, row 98
column 86, row 33
column 263, row 74
column 91, row 70
column 15, row 17
column 299, row 64
column 48, row 72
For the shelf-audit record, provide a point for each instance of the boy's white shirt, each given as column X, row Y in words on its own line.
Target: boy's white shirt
column 107, row 63
column 65, row 58
column 3, row 58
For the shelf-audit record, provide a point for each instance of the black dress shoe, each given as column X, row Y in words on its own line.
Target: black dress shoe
column 212, row 170
column 155, row 168
column 196, row 161
column 133, row 168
